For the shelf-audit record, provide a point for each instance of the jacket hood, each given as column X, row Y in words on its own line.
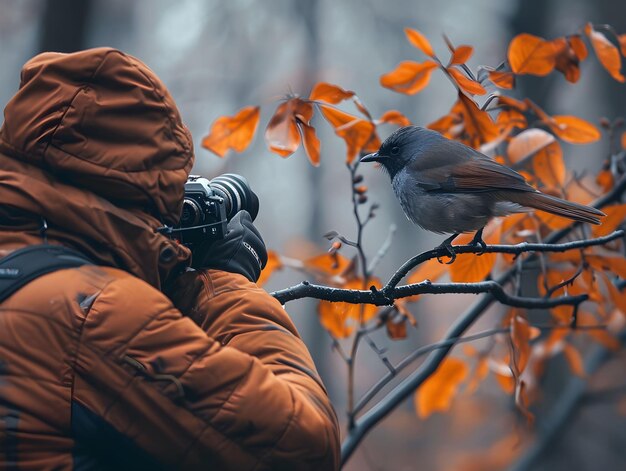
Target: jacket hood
column 100, row 126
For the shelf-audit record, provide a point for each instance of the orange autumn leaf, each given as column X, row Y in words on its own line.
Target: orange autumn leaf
column 530, row 54
column 394, row 117
column 409, row 77
column 600, row 334
column 468, row 268
column 328, row 264
column 479, row 127
column 273, row 264
column 429, row 270
column 569, row 52
column 334, row 319
column 606, row 180
column 438, row 391
column 510, row 102
column 290, row 126
column 311, row 143
column 527, row 143
column 419, row 41
column 606, row 52
column 615, row 216
column 574, row 359
column 232, row 132
column 396, row 329
column 618, row 298
column 504, row 80
column 357, row 133
column 511, row 118
column 615, row 265
column 520, row 338
column 466, row 84
column 461, row 55
column 335, row 316
column 574, row 130
column 329, row 93
column 549, row 166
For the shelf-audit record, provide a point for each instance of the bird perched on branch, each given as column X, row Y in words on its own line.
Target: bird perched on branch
column 447, row 187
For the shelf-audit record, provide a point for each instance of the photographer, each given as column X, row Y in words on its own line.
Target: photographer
column 98, row 368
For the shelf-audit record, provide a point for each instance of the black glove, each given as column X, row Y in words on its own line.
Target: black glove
column 241, row 251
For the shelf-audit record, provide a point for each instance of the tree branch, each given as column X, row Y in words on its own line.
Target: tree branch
column 376, row 297
column 517, row 249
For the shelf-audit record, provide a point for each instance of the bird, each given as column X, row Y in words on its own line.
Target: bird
column 447, row 187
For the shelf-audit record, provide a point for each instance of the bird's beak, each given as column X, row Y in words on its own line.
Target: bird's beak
column 374, row 157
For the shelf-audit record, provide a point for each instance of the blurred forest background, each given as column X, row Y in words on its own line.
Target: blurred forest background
column 218, row 56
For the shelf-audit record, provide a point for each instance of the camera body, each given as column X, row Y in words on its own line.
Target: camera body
column 208, row 205
column 204, row 213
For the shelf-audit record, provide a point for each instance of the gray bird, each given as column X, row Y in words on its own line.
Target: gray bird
column 447, row 187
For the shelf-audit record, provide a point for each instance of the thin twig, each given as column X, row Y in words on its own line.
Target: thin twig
column 383, row 249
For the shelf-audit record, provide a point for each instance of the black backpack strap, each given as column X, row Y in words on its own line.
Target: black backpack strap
column 24, row 265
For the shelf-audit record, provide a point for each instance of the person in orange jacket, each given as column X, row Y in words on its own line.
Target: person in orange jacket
column 98, row 368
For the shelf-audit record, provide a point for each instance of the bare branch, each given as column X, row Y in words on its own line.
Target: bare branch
column 378, row 298
column 517, row 249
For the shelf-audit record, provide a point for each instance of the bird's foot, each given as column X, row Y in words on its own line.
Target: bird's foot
column 447, row 245
column 478, row 240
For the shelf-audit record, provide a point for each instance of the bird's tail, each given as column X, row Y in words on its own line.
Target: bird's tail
column 554, row 205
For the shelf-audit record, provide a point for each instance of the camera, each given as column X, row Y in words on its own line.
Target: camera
column 208, row 205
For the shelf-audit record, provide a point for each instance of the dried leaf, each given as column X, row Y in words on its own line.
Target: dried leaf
column 549, row 166
column 273, row 264
column 232, row 132
column 575, row 361
column 618, row 298
column 504, row 80
column 567, row 57
column 600, row 335
column 330, row 93
column 419, row 41
column 438, row 391
column 520, row 338
column 615, row 265
column 409, row 77
column 470, row 86
column 396, row 329
column 606, row 180
column 335, row 319
column 615, row 216
column 356, row 132
column 527, row 143
column 479, row 127
column 461, row 55
column 468, row 268
column 429, row 270
column 328, row 264
column 574, row 130
column 606, row 52
column 285, row 130
column 394, row 117
column 311, row 143
column 530, row 54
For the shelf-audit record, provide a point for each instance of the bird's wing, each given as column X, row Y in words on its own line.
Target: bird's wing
column 454, row 167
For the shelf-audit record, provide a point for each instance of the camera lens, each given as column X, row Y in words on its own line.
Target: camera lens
column 236, row 193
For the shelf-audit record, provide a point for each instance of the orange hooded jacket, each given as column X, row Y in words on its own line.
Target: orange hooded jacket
column 98, row 369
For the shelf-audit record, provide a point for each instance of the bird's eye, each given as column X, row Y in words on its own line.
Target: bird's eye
column 395, row 150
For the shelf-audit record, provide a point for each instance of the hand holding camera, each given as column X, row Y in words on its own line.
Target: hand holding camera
column 216, row 224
